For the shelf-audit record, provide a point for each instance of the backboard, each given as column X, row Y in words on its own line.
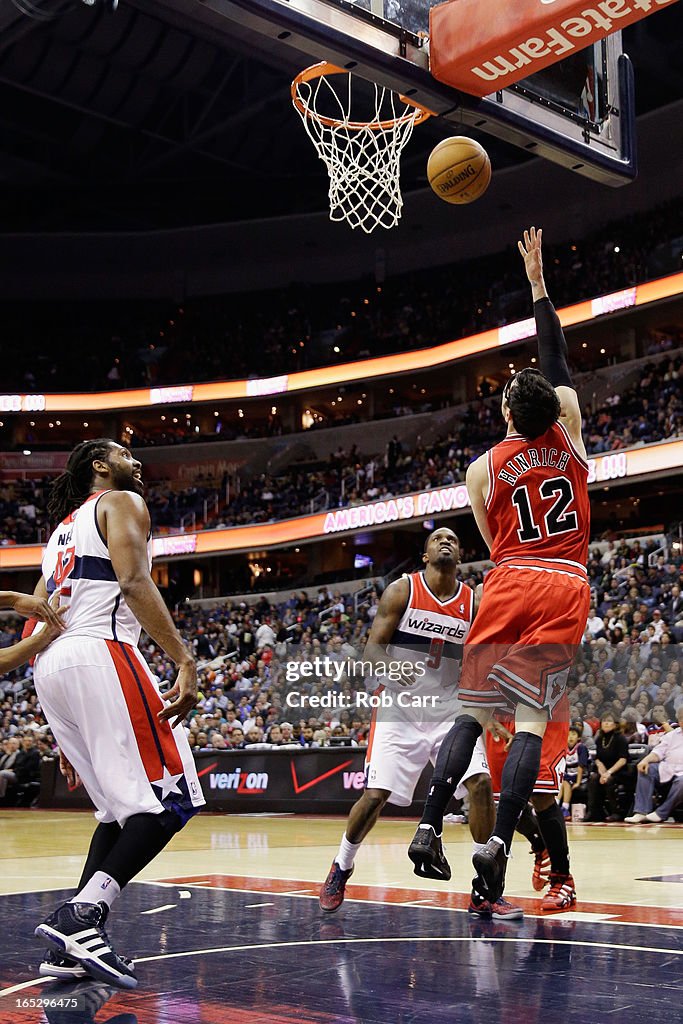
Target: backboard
column 579, row 112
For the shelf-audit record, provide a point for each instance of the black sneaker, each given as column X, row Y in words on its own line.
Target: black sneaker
column 63, row 968
column 490, row 864
column 77, row 1003
column 426, row 853
column 77, row 930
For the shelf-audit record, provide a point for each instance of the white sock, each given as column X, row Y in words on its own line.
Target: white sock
column 100, row 889
column 499, row 840
column 476, row 847
column 437, row 834
column 565, row 805
column 347, row 853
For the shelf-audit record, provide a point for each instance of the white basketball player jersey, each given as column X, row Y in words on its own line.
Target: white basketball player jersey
column 431, row 634
column 76, row 562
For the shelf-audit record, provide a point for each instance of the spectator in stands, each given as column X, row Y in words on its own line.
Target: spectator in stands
column 25, row 768
column 611, row 770
column 255, row 735
column 576, row 769
column 662, row 765
column 288, row 737
column 673, row 610
column 237, row 741
column 275, row 736
column 595, row 625
column 10, row 748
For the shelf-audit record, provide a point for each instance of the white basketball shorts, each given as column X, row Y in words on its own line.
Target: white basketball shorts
column 398, row 752
column 101, row 702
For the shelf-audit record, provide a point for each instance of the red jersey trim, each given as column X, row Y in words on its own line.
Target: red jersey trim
column 491, row 478
column 574, row 573
column 572, row 447
column 442, row 604
column 70, row 517
column 411, row 592
column 539, row 558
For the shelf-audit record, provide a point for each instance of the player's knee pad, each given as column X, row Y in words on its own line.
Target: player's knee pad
column 521, row 767
column 463, row 734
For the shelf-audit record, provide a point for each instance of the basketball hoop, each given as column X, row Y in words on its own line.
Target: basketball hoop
column 362, row 156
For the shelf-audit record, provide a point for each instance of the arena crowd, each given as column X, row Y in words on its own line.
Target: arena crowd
column 108, row 346
column 650, row 410
column 628, row 668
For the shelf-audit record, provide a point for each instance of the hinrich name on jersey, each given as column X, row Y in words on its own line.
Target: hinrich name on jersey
column 532, row 459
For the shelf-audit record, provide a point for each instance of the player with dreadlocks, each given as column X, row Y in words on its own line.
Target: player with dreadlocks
column 102, row 702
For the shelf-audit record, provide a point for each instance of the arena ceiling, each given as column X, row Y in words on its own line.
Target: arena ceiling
column 145, row 119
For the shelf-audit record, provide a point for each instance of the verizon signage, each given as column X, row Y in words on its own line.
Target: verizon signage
column 284, row 780
column 481, row 46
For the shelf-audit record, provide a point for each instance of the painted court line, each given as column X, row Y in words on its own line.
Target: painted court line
column 518, row 940
column 582, row 915
column 252, row 906
column 158, row 910
column 455, row 902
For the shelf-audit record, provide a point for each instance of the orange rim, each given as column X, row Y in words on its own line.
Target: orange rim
column 322, row 70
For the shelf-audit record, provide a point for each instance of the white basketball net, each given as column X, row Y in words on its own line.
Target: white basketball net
column 362, row 157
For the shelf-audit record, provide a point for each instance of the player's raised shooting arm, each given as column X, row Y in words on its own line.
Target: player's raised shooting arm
column 476, row 480
column 391, row 607
column 125, row 523
column 552, row 345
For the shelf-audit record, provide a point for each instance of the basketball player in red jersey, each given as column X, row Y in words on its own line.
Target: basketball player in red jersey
column 102, row 702
column 422, row 620
column 529, row 496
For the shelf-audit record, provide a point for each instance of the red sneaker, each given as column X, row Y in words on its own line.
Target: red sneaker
column 540, row 876
column 561, row 893
column 333, row 888
column 501, row 910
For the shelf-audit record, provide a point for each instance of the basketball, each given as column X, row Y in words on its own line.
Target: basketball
column 459, row 170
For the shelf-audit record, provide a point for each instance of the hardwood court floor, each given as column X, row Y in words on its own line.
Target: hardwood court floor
column 225, row 926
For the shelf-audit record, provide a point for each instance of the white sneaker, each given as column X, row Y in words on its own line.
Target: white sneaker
column 635, row 819
column 654, row 818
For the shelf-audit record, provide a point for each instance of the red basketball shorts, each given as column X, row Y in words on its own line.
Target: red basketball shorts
column 553, row 755
column 524, row 638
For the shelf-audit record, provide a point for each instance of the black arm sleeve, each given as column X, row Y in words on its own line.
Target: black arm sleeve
column 552, row 347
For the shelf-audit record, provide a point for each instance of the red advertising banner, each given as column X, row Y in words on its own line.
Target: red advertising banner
column 663, row 457
column 481, row 46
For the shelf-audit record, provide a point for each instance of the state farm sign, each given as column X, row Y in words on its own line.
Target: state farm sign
column 481, row 46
